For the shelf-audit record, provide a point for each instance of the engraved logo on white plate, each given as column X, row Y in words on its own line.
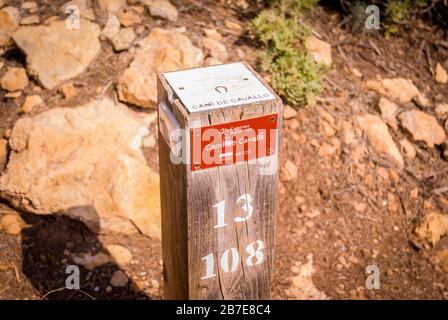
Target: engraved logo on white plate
column 215, row 87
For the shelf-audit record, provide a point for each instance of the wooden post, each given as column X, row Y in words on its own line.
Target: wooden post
column 219, row 140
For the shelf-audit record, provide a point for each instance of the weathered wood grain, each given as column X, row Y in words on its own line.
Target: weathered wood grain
column 188, row 215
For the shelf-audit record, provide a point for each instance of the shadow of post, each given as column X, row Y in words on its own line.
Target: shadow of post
column 48, row 245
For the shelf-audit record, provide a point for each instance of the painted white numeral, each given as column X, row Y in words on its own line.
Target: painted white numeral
column 258, row 253
column 209, row 266
column 230, row 259
column 225, row 260
column 246, row 199
column 220, row 209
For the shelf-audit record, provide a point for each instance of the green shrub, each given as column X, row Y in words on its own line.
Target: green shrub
column 294, row 74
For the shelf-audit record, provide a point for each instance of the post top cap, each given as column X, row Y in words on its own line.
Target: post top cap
column 216, row 87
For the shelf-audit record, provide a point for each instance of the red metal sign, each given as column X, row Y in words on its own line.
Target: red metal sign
column 233, row 142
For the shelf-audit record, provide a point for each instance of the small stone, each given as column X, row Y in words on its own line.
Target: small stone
column 11, row 224
column 13, row 95
column 128, row 18
column 33, row 19
column 108, row 289
column 155, row 284
column 112, row 6
column 441, row 109
column 210, row 61
column 397, row 89
column 290, row 171
column 388, row 112
column 441, row 75
column 93, row 261
column 121, row 255
column 30, row 6
column 111, row 28
column 408, row 149
column 319, row 50
column 118, row 279
column 356, row 73
column 124, row 39
column 327, row 150
column 68, row 90
column 9, row 22
column 216, row 48
column 232, row 25
column 380, row 138
column 422, row 101
column 289, row 112
column 3, row 154
column 14, row 79
column 329, row 131
column 212, row 34
column 423, row 127
column 30, row 103
column 431, row 229
column 162, row 9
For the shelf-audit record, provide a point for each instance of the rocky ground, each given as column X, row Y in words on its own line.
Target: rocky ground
column 363, row 178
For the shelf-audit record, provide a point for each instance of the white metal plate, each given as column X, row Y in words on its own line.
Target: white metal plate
column 216, row 87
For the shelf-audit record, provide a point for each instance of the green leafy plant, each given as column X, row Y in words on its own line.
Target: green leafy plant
column 294, row 74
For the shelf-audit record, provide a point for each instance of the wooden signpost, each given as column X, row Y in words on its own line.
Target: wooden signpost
column 219, row 139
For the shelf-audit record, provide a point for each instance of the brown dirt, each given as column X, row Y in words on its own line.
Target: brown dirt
column 366, row 208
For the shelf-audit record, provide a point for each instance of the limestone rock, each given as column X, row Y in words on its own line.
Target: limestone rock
column 30, row 103
column 431, row 229
column 112, row 6
column 33, row 19
column 289, row 171
column 91, row 262
column 162, row 50
column 398, row 89
column 302, row 286
column 9, row 22
column 14, row 79
column 210, row 61
column 319, row 50
column 128, row 18
column 379, row 137
column 124, row 39
column 119, row 279
column 55, row 53
column 408, row 149
column 30, row 6
column 62, row 162
column 68, row 90
column 441, row 75
column 216, row 48
column 112, row 27
column 161, row 8
column 388, row 112
column 11, row 224
column 3, row 154
column 441, row 109
column 122, row 255
column 289, row 112
column 232, row 25
column 423, row 127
